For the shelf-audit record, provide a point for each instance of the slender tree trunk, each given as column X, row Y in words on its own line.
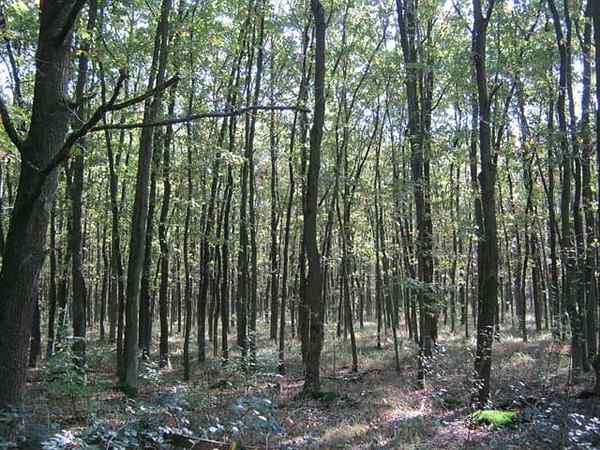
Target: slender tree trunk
column 52, row 288
column 312, row 332
column 76, row 192
column 274, row 250
column 417, row 125
column 488, row 243
column 587, row 262
column 163, row 241
column 140, row 209
column 567, row 248
column 35, row 346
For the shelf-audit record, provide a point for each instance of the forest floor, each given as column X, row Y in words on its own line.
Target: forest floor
column 376, row 408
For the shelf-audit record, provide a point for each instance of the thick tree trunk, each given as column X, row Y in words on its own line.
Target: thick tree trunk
column 24, row 249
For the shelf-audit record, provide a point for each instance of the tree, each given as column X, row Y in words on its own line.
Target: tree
column 25, row 242
column 140, row 205
column 566, row 244
column 488, row 241
column 419, row 118
column 45, row 147
column 312, row 303
column 76, row 193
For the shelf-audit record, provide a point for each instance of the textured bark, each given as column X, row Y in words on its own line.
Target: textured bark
column 566, row 241
column 140, row 211
column 488, row 242
column 313, row 305
column 419, row 118
column 24, row 249
column 79, row 301
column 163, row 241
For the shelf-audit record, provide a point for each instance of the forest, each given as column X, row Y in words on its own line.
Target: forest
column 299, row 224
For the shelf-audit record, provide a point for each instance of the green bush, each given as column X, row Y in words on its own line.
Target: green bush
column 499, row 418
column 65, row 375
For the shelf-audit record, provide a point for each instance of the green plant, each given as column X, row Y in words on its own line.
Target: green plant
column 499, row 418
column 65, row 375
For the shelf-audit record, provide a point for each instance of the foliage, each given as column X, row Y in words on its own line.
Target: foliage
column 65, row 374
column 498, row 418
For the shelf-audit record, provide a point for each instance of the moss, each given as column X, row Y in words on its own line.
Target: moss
column 495, row 417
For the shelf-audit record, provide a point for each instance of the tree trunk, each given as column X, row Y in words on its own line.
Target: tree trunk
column 77, row 169
column 567, row 249
column 24, row 249
column 35, row 347
column 52, row 288
column 163, row 241
column 312, row 332
column 140, row 209
column 488, row 244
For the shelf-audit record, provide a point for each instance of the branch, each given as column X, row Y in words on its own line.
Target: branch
column 460, row 14
column 489, row 11
column 11, row 58
column 8, row 126
column 70, row 22
column 149, row 93
column 193, row 117
column 440, row 98
column 65, row 151
column 111, row 105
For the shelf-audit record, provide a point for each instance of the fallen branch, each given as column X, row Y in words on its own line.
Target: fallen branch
column 193, row 443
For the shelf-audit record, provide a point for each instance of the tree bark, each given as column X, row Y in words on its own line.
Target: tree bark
column 488, row 243
column 140, row 210
column 24, row 249
column 76, row 191
column 312, row 333
column 163, row 242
